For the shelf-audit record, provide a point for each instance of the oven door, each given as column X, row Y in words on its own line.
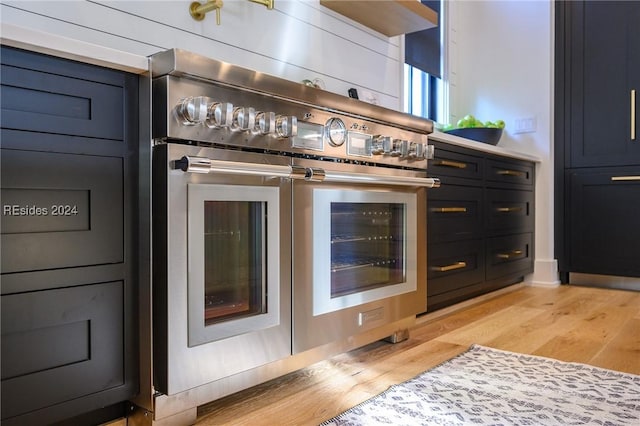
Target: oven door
column 359, row 258
column 222, row 281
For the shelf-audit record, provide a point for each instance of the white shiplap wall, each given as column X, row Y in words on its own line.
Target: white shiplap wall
column 299, row 39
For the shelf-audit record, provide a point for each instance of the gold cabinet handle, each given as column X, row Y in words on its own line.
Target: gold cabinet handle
column 511, row 254
column 511, row 173
column 449, row 209
column 452, row 267
column 449, row 163
column 509, row 209
column 624, row 178
column 633, row 114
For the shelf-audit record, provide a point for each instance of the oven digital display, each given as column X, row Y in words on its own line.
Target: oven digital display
column 359, row 144
column 309, row 136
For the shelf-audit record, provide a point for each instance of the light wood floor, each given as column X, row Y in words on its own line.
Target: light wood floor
column 594, row 326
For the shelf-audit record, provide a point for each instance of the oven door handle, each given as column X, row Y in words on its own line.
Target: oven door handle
column 192, row 164
column 373, row 179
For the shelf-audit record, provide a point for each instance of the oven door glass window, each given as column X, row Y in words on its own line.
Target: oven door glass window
column 364, row 247
column 367, row 246
column 233, row 242
column 234, row 281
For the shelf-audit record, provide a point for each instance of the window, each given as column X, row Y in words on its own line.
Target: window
column 423, row 85
column 423, row 93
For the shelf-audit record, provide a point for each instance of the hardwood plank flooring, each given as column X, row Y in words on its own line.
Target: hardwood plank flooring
column 595, row 326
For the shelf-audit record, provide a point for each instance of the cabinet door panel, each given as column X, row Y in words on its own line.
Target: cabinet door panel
column 60, row 344
column 43, row 102
column 603, row 221
column 509, row 173
column 454, row 265
column 604, row 40
column 455, row 272
column 60, row 210
column 509, row 211
column 456, row 165
column 454, row 213
column 509, row 255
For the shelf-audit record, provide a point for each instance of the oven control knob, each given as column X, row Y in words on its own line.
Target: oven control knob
column 424, row 151
column 219, row 114
column 192, row 110
column 376, row 145
column 387, row 145
column 381, row 145
column 244, row 118
column 404, row 149
column 265, row 123
column 397, row 148
column 286, row 126
column 429, row 152
column 412, row 153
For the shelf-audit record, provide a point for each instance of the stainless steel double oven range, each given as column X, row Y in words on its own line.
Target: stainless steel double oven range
column 287, row 222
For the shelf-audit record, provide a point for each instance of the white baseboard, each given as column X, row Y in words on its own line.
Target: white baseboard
column 545, row 274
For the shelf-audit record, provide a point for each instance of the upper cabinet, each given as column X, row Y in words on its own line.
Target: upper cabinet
column 603, row 60
column 389, row 17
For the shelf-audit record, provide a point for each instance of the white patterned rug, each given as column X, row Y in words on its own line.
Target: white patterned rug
column 485, row 386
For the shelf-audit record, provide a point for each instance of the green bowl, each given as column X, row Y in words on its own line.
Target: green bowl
column 490, row 135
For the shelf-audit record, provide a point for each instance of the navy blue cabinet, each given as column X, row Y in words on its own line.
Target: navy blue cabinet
column 68, row 225
column 480, row 224
column 603, row 63
column 597, row 143
column 603, row 224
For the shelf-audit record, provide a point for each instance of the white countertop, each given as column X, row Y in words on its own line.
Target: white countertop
column 479, row 146
column 64, row 47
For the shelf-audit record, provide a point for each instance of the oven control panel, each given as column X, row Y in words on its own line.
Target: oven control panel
column 357, row 143
column 230, row 116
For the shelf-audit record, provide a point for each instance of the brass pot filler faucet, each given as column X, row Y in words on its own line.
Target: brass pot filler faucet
column 199, row 10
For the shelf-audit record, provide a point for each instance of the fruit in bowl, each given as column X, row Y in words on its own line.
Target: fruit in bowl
column 482, row 131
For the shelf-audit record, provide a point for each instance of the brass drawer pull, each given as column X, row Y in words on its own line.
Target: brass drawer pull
column 452, row 267
column 624, row 178
column 449, row 209
column 448, row 163
column 633, row 114
column 515, row 173
column 511, row 254
column 509, row 209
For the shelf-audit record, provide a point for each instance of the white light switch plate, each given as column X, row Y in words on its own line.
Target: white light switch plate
column 525, row 125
